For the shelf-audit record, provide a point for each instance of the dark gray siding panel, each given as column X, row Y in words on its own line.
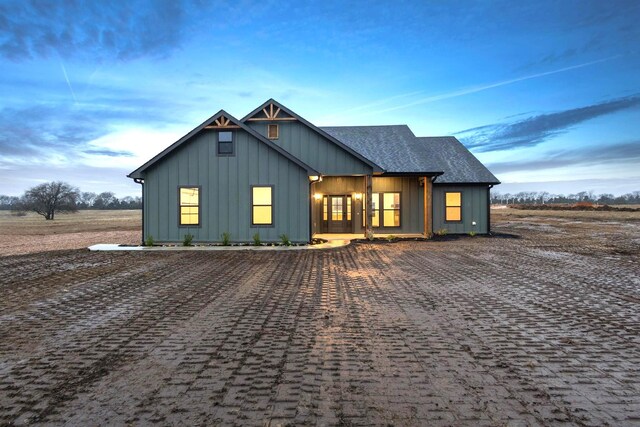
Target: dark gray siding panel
column 226, row 191
column 313, row 149
column 474, row 208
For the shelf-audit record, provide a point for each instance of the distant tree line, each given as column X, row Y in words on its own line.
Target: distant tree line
column 49, row 198
column 543, row 197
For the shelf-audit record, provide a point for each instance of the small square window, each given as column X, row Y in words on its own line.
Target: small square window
column 272, row 131
column 225, row 143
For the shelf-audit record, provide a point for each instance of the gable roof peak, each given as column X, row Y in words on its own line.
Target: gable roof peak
column 272, row 114
column 215, row 122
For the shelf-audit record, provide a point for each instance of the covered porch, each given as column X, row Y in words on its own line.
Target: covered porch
column 345, row 207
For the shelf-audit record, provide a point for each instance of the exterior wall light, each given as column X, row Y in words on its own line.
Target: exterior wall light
column 358, row 196
column 317, row 196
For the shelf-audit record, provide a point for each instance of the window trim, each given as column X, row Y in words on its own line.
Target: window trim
column 456, row 221
column 233, row 144
column 273, row 209
column 277, row 131
column 199, row 224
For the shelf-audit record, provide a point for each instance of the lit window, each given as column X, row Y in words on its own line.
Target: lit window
column 376, row 210
column 391, row 209
column 386, row 209
column 336, row 209
column 189, row 206
column 272, row 131
column 453, row 206
column 325, row 208
column 225, row 143
column 348, row 208
column 262, row 206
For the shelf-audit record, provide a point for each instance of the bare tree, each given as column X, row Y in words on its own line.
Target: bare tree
column 47, row 199
column 86, row 199
column 106, row 200
column 544, row 196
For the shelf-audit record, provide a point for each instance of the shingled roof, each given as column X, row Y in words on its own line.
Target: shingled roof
column 394, row 147
column 458, row 164
column 397, row 150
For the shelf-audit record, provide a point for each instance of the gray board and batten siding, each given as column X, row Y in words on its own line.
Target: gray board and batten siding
column 225, row 183
column 474, row 208
column 313, row 149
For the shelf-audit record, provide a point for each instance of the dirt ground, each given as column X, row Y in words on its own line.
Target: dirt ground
column 539, row 325
column 31, row 233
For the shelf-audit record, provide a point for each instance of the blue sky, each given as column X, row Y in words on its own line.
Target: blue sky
column 545, row 93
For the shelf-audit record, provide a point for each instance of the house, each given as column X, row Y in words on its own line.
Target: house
column 273, row 172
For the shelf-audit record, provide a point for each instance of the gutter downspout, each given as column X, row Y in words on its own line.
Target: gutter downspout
column 141, row 182
column 489, row 208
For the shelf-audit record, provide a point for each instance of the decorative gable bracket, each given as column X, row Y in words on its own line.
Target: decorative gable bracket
column 222, row 122
column 270, row 113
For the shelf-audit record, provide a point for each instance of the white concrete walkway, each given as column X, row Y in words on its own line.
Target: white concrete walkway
column 330, row 244
column 334, row 240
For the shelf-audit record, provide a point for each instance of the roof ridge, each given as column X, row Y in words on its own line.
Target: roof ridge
column 439, row 136
column 363, row 126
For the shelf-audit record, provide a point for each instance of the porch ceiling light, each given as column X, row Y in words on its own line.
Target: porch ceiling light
column 314, row 178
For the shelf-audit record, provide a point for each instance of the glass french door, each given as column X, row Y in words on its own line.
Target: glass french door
column 337, row 214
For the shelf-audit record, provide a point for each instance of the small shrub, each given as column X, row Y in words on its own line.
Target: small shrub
column 226, row 239
column 370, row 235
column 472, row 233
column 285, row 240
column 442, row 232
column 256, row 240
column 149, row 241
column 18, row 213
column 391, row 238
column 188, row 238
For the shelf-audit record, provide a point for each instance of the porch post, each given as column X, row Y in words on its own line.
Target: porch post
column 428, row 206
column 368, row 231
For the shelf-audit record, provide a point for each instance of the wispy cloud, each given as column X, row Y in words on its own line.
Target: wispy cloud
column 107, row 30
column 480, row 88
column 619, row 153
column 66, row 77
column 63, row 131
column 535, row 130
column 109, row 153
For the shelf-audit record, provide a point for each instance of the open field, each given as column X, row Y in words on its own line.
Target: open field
column 504, row 212
column 539, row 325
column 31, row 233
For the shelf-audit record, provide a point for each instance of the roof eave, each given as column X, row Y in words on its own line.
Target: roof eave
column 468, row 183
column 424, row 173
